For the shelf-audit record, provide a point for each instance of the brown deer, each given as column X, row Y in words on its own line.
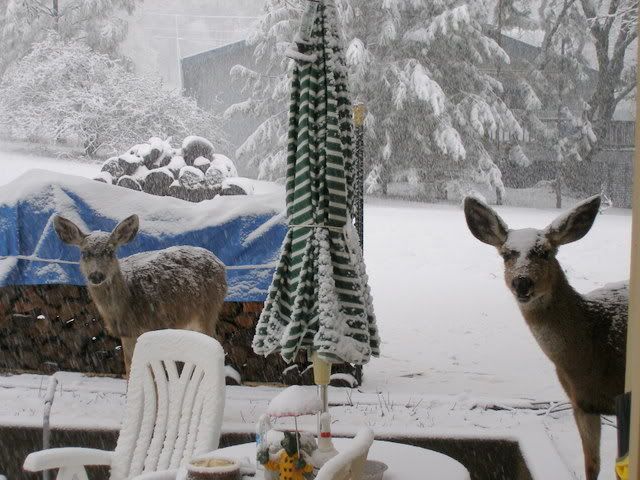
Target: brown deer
column 583, row 335
column 178, row 287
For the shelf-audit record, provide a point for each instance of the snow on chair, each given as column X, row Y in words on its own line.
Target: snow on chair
column 349, row 463
column 175, row 403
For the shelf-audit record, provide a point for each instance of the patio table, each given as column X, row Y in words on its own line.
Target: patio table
column 405, row 462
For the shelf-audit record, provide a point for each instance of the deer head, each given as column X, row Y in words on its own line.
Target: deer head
column 531, row 267
column 98, row 262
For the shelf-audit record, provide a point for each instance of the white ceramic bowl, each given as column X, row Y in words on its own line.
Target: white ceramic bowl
column 373, row 470
column 205, row 468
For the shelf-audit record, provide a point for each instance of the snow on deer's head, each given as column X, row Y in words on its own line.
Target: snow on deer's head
column 530, row 264
column 98, row 261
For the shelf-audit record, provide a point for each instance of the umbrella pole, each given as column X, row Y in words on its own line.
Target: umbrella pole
column 324, row 396
column 359, row 114
column 321, row 377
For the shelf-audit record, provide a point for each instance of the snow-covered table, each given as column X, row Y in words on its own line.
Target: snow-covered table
column 405, row 462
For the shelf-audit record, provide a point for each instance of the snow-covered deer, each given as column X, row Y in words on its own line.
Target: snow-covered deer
column 178, row 287
column 583, row 335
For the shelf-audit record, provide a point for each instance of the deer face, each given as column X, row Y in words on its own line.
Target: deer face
column 98, row 262
column 530, row 254
column 529, row 263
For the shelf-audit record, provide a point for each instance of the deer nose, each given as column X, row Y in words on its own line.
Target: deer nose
column 522, row 285
column 96, row 278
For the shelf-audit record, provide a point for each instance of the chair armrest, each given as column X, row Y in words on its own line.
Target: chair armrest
column 161, row 475
column 66, row 457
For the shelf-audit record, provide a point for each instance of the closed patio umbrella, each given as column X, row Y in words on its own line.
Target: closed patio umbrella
column 319, row 299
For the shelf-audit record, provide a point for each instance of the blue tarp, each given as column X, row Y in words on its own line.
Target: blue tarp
column 245, row 232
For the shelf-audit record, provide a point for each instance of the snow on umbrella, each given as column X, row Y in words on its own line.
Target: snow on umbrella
column 319, row 299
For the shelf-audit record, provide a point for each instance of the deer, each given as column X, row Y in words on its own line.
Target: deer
column 181, row 287
column 583, row 335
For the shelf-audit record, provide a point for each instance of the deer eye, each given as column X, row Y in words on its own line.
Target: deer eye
column 509, row 255
column 542, row 254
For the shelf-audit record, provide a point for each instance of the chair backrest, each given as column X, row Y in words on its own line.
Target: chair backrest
column 175, row 402
column 348, row 463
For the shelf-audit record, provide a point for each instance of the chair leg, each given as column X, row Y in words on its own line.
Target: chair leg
column 72, row 473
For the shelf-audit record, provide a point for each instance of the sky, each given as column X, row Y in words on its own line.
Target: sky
column 200, row 25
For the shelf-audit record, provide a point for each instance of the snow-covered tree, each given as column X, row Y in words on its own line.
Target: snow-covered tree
column 267, row 86
column 101, row 24
column 560, row 79
column 65, row 91
column 612, row 26
column 420, row 67
column 509, row 15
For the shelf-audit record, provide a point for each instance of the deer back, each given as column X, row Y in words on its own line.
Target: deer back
column 169, row 288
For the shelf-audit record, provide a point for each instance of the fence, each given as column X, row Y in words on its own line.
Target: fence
column 620, row 135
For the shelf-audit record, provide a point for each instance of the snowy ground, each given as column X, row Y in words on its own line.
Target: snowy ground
column 452, row 338
column 14, row 161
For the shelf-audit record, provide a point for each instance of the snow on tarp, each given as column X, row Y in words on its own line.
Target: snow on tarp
column 240, row 230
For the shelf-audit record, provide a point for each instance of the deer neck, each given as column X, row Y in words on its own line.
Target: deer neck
column 112, row 296
column 556, row 318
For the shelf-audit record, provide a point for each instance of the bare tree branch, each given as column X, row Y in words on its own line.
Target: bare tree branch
column 548, row 38
column 625, row 92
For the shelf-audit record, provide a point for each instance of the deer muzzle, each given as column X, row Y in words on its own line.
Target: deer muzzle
column 522, row 287
column 96, row 278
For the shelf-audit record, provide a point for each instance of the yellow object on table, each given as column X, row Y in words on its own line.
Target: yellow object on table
column 622, row 468
column 286, row 467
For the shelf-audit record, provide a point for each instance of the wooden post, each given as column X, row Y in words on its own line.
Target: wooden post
column 632, row 379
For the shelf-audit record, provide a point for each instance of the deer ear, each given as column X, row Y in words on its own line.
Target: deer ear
column 68, row 231
column 125, row 231
column 574, row 224
column 484, row 222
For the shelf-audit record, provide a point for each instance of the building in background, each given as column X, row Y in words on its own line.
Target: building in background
column 161, row 32
column 207, row 78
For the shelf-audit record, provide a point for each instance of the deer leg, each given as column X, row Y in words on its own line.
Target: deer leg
column 128, row 344
column 589, row 428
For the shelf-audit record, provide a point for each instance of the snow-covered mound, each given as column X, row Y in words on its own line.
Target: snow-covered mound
column 245, row 232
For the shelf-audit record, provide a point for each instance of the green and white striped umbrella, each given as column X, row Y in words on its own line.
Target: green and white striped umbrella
column 319, row 299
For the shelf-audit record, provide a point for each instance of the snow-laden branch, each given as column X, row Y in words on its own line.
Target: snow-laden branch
column 454, row 19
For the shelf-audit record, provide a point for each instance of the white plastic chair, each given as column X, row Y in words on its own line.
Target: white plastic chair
column 348, row 463
column 175, row 404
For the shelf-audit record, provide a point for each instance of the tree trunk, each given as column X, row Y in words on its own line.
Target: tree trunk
column 557, row 186
column 56, row 14
column 498, row 196
column 385, row 178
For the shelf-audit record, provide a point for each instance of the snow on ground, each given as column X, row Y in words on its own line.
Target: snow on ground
column 447, row 321
column 452, row 339
column 14, row 161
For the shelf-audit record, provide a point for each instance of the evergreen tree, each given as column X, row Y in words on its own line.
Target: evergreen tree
column 420, row 67
column 267, row 84
column 98, row 23
column 64, row 91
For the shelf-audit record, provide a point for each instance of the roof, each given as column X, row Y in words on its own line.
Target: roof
column 230, row 48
